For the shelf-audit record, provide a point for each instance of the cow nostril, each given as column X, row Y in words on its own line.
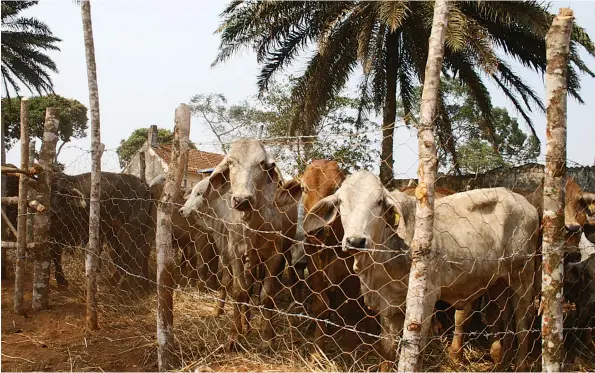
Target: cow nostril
column 241, row 203
column 357, row 242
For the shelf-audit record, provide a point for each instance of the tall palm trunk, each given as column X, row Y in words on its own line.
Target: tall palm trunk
column 420, row 300
column 96, row 149
column 389, row 112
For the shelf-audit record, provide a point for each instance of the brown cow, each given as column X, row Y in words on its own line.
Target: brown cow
column 335, row 288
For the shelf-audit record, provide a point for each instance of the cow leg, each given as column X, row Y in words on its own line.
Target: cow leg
column 56, row 254
column 320, row 302
column 226, row 283
column 391, row 330
column 240, row 296
column 522, row 299
column 270, row 287
column 498, row 316
column 462, row 317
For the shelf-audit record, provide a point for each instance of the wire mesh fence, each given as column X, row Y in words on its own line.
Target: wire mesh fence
column 311, row 272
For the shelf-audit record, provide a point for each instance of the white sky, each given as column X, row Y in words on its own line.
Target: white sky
column 153, row 55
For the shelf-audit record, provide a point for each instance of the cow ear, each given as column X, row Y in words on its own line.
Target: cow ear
column 273, row 174
column 218, row 182
column 322, row 214
column 400, row 214
column 289, row 193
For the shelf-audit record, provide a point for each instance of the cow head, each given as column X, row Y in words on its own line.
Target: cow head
column 370, row 216
column 579, row 211
column 194, row 199
column 245, row 172
column 321, row 179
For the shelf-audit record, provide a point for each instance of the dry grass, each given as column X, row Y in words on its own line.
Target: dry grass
column 127, row 339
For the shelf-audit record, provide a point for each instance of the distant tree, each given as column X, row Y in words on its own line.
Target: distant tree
column 477, row 150
column 24, row 41
column 337, row 135
column 73, row 118
column 135, row 141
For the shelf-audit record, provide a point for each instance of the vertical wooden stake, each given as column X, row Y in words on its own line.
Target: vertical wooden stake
column 165, row 251
column 557, row 43
column 32, row 193
column 19, row 277
column 419, row 301
column 3, row 193
column 143, row 166
column 96, row 152
column 41, row 224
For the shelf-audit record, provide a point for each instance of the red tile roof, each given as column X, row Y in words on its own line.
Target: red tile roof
column 197, row 159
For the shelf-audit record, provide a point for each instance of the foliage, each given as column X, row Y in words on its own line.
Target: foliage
column 137, row 138
column 72, row 115
column 390, row 40
column 24, row 43
column 475, row 150
column 338, row 135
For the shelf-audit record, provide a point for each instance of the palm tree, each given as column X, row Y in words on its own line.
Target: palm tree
column 24, row 40
column 389, row 40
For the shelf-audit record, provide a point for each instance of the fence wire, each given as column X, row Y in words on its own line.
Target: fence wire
column 310, row 273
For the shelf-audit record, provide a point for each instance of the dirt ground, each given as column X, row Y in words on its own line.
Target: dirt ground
column 56, row 340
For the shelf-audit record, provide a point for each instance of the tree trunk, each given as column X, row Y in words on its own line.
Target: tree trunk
column 557, row 43
column 41, row 223
column 165, row 252
column 389, row 112
column 96, row 152
column 19, row 276
column 420, row 302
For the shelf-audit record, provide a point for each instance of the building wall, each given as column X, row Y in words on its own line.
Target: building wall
column 154, row 165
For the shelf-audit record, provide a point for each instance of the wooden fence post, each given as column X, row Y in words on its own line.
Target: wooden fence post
column 96, row 153
column 41, row 225
column 165, row 252
column 420, row 302
column 32, row 194
column 19, row 277
column 557, row 43
column 3, row 255
column 142, row 166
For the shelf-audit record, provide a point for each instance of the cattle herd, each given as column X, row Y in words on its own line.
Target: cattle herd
column 344, row 242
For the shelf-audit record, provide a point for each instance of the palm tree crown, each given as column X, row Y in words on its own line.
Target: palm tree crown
column 24, row 40
column 389, row 40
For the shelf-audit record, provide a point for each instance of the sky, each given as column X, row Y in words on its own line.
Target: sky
column 153, row 55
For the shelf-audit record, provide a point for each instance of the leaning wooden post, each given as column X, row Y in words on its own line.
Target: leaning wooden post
column 19, row 276
column 165, row 252
column 96, row 152
column 557, row 43
column 41, row 224
column 419, row 304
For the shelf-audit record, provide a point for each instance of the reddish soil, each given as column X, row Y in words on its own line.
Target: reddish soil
column 56, row 340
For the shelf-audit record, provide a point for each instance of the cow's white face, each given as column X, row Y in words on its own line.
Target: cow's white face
column 368, row 213
column 245, row 172
column 194, row 200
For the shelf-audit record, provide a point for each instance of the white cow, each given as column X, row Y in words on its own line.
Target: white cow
column 251, row 179
column 480, row 236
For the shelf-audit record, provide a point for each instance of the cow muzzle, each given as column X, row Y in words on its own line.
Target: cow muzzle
column 573, row 228
column 185, row 211
column 241, row 203
column 356, row 242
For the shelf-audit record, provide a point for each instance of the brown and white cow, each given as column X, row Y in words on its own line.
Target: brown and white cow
column 252, row 179
column 335, row 288
column 480, row 237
